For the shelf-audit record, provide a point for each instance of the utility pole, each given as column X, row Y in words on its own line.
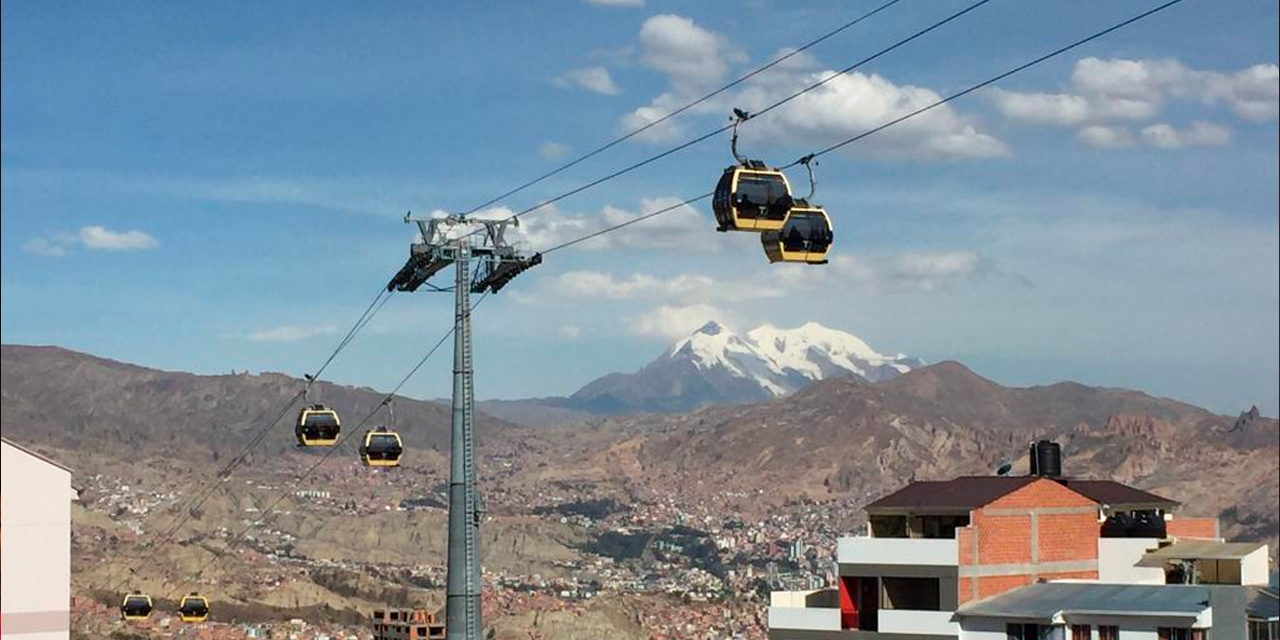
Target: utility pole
column 459, row 240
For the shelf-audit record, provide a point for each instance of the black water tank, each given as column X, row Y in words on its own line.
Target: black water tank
column 1046, row 459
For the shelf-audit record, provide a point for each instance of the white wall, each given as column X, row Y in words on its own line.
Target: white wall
column 36, row 550
column 1117, row 557
column 940, row 552
column 1253, row 567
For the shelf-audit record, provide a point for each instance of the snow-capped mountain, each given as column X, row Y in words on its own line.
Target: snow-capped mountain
column 714, row 365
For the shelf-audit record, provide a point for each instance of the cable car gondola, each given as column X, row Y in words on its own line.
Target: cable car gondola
column 136, row 606
column 193, row 608
column 750, row 196
column 805, row 236
column 318, row 426
column 381, row 448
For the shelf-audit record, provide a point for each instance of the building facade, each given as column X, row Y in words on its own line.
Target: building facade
column 36, row 560
column 964, row 558
column 406, row 624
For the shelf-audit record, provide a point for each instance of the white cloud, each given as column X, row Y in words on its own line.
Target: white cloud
column 616, row 3
column 570, row 332
column 853, row 103
column 690, row 56
column 45, row 247
column 553, row 150
column 683, row 287
column 593, row 79
column 681, row 228
column 915, row 271
column 1104, row 137
column 1122, row 89
column 1198, row 134
column 289, row 333
column 96, row 237
column 670, row 322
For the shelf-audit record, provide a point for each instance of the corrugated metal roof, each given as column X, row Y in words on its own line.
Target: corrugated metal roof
column 1199, row 550
column 972, row 492
column 1263, row 603
column 1046, row 601
column 1115, row 494
column 967, row 492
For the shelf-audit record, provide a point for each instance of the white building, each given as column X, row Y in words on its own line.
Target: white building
column 36, row 590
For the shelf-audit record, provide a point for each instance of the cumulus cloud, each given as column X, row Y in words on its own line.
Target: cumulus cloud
column 570, row 332
column 671, row 322
column 1198, row 134
column 1103, row 91
column 683, row 227
column 96, row 237
column 92, row 237
column 689, row 55
column 1105, row 137
column 593, row 79
column 289, row 333
column 913, row 271
column 853, row 103
column 638, row 286
column 45, row 247
column 553, row 150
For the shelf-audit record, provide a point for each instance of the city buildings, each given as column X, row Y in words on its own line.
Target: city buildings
column 406, row 624
column 1033, row 557
column 37, row 514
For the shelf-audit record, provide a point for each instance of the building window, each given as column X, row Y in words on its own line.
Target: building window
column 1029, row 631
column 1081, row 632
column 1173, row 633
column 1108, row 632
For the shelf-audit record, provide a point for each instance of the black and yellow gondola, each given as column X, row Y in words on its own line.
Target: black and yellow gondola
column 193, row 608
column 318, row 426
column 806, row 236
column 751, row 197
column 135, row 607
column 381, row 448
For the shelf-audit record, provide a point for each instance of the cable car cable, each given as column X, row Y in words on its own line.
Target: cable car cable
column 887, row 124
column 771, row 107
column 165, row 539
column 686, row 107
column 289, row 489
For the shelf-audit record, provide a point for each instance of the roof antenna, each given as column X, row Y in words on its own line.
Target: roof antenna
column 1004, row 468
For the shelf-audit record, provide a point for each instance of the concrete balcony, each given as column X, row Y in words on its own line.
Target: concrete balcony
column 929, row 552
column 925, row 623
column 805, row 610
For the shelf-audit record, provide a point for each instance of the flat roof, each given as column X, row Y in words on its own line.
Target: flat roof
column 1049, row 600
column 972, row 492
column 1199, row 550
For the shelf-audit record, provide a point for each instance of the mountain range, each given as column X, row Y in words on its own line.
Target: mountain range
column 715, row 365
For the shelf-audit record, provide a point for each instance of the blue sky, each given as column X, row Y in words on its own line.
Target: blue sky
column 221, row 187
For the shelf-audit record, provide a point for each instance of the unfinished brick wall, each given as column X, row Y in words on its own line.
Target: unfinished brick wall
column 1043, row 530
column 1203, row 528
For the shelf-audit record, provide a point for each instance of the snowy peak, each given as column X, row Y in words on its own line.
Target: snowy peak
column 783, row 360
column 715, row 365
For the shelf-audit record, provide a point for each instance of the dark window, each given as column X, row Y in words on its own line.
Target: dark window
column 919, row 594
column 1108, row 632
column 1081, row 632
column 1173, row 633
column 762, row 197
column 806, row 232
column 1028, row 631
column 384, row 445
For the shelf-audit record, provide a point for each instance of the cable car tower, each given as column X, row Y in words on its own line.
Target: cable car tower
column 460, row 241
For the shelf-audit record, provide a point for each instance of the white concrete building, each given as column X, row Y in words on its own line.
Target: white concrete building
column 36, row 561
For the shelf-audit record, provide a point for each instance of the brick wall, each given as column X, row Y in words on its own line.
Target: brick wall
column 1043, row 530
column 1206, row 528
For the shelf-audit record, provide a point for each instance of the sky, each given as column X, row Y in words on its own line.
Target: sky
column 222, row 187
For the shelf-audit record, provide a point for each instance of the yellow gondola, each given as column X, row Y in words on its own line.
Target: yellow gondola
column 805, row 236
column 193, row 608
column 750, row 196
column 136, row 606
column 318, row 426
column 381, row 448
